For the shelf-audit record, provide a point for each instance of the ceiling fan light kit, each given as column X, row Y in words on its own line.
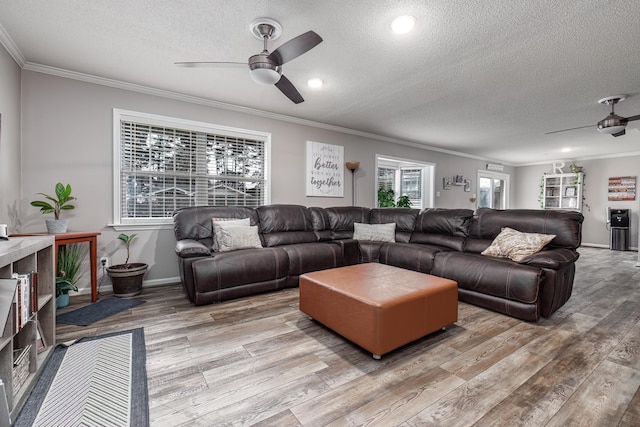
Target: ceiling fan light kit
column 612, row 124
column 266, row 68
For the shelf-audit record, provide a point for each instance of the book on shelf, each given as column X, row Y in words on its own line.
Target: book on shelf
column 41, row 342
column 7, row 299
column 24, row 295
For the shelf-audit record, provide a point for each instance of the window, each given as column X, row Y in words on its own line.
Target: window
column 406, row 178
column 162, row 164
column 493, row 190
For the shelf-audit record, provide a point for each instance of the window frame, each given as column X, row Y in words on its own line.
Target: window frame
column 398, row 164
column 119, row 115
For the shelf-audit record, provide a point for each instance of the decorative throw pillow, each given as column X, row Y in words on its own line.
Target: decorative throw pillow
column 235, row 237
column 375, row 232
column 244, row 222
column 516, row 245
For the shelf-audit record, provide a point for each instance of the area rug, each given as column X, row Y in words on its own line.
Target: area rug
column 97, row 311
column 95, row 381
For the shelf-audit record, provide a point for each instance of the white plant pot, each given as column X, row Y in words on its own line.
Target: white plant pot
column 56, row 226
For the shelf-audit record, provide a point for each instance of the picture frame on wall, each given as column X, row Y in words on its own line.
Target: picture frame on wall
column 325, row 170
column 447, row 182
column 467, row 185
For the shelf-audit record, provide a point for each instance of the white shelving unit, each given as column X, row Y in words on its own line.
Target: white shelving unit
column 563, row 191
column 23, row 255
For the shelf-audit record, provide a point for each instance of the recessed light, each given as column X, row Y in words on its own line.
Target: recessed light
column 566, row 149
column 403, row 24
column 315, row 83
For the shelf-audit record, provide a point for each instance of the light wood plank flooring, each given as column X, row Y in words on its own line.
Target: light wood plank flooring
column 260, row 361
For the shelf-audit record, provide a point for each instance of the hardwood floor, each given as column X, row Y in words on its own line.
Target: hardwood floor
column 260, row 361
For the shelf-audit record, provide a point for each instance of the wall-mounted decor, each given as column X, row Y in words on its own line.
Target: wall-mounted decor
column 446, row 183
column 622, row 188
column 467, row 185
column 325, row 170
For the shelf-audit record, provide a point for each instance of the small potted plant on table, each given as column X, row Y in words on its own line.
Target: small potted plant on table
column 58, row 203
column 126, row 278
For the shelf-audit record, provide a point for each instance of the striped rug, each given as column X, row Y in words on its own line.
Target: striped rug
column 97, row 383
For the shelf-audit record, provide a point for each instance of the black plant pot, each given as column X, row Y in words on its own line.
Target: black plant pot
column 126, row 279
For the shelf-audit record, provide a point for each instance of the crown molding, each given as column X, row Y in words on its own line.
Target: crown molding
column 88, row 78
column 10, row 46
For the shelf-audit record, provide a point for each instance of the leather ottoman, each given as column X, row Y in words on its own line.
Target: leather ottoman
column 377, row 306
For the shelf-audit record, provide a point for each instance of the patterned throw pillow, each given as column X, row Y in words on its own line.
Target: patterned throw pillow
column 245, row 222
column 374, row 232
column 516, row 245
column 234, row 238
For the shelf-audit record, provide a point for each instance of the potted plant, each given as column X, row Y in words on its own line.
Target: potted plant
column 126, row 278
column 70, row 259
column 55, row 205
column 403, row 202
column 63, row 286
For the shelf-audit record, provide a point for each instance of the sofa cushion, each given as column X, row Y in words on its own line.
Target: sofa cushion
column 285, row 224
column 306, row 257
column 404, row 218
column 229, row 269
column 341, row 220
column 499, row 277
column 442, row 227
column 374, row 232
column 234, row 237
column 566, row 225
column 195, row 222
column 410, row 256
column 516, row 245
column 320, row 223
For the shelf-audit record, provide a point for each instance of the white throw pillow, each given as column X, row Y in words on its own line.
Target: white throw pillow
column 244, row 222
column 374, row 232
column 516, row 245
column 234, row 238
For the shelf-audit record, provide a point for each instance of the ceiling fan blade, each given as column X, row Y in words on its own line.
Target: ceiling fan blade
column 198, row 64
column 289, row 90
column 565, row 130
column 295, row 47
column 622, row 132
column 632, row 118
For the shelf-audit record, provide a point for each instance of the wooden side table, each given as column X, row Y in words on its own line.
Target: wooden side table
column 78, row 237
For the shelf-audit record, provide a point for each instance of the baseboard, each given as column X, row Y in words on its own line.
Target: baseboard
column 599, row 245
column 104, row 285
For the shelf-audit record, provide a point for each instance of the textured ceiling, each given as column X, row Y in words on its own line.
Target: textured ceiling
column 482, row 77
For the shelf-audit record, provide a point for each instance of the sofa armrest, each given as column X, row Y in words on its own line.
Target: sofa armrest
column 189, row 248
column 555, row 259
column 350, row 250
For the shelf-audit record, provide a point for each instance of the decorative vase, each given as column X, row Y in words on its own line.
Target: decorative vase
column 56, row 226
column 62, row 300
column 126, row 279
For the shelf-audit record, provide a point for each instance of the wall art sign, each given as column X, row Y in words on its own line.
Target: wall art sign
column 622, row 188
column 325, row 170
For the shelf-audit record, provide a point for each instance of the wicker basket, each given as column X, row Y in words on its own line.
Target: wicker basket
column 20, row 367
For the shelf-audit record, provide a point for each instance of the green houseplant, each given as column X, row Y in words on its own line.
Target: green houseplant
column 386, row 199
column 70, row 259
column 55, row 205
column 126, row 278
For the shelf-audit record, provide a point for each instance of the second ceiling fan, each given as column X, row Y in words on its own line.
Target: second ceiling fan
column 613, row 124
column 265, row 67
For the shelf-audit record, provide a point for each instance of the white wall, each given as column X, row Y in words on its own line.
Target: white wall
column 67, row 137
column 597, row 173
column 9, row 140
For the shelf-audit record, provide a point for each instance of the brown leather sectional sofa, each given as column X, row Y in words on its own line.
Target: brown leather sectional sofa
column 441, row 242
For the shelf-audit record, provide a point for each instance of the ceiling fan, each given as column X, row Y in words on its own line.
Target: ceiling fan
column 613, row 124
column 266, row 68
